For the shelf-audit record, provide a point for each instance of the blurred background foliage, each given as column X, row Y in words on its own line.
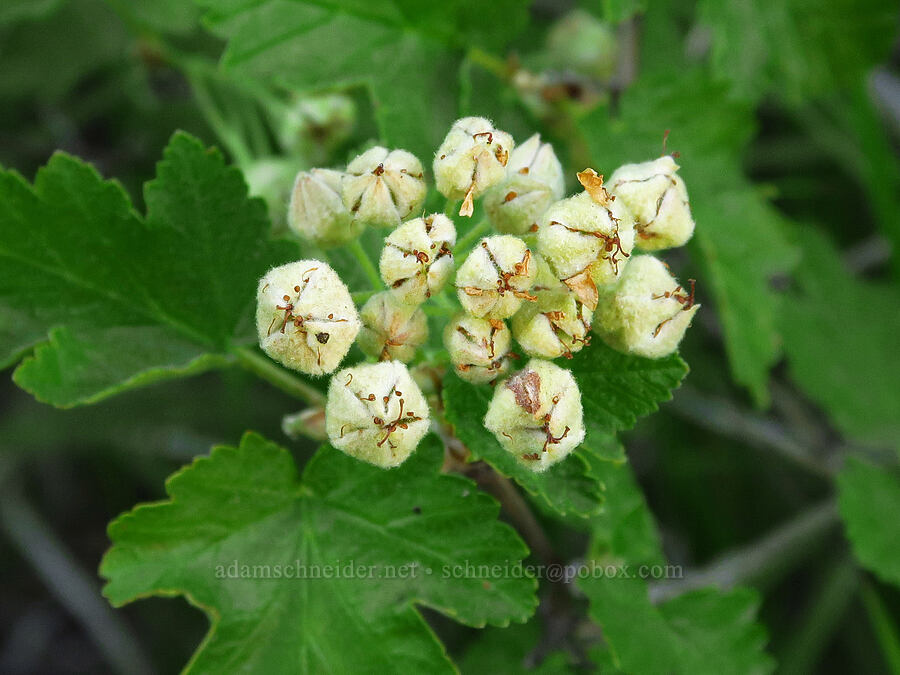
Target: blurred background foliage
column 786, row 116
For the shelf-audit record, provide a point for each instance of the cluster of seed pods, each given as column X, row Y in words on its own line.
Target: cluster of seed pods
column 556, row 271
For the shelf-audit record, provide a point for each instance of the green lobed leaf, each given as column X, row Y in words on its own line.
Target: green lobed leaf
column 509, row 651
column 839, row 333
column 869, row 501
column 798, row 48
column 617, row 389
column 566, row 487
column 699, row 633
column 739, row 241
column 407, row 528
column 110, row 300
column 406, row 52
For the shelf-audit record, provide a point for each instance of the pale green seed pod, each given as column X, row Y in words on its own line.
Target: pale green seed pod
column 478, row 348
column 376, row 413
column 495, row 278
column 382, row 187
column 587, row 238
column 317, row 212
column 305, row 317
column 656, row 196
column 417, row 260
column 308, row 423
column 534, row 180
column 391, row 331
column 316, row 123
column 556, row 325
column 647, row 312
column 536, row 414
column 472, row 158
column 582, row 43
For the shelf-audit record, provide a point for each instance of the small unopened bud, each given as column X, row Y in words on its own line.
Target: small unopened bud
column 658, row 199
column 391, row 330
column 472, row 158
column 478, row 348
column 309, row 423
column 648, row 312
column 582, row 43
column 534, row 180
column 416, row 260
column 536, row 414
column 376, row 413
column 317, row 123
column 556, row 325
column 587, row 238
column 382, row 187
column 495, row 278
column 317, row 211
column 305, row 317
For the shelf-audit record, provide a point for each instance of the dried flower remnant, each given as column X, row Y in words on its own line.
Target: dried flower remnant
column 417, row 260
column 495, row 278
column 305, row 317
column 534, row 180
column 556, row 325
column 391, row 330
column 383, row 187
column 648, row 312
column 472, row 158
column 536, row 414
column 587, row 238
column 376, row 413
column 317, row 212
column 478, row 348
column 658, row 199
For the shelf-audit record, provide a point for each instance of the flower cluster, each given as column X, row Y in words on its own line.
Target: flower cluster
column 558, row 269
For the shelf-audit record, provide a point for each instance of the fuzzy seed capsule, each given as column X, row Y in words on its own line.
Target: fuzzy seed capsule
column 587, row 238
column 305, row 317
column 417, row 260
column 391, row 330
column 478, row 348
column 534, row 180
column 658, row 199
column 382, row 187
column 472, row 158
column 376, row 413
column 536, row 414
column 556, row 325
column 495, row 278
column 647, row 313
column 317, row 212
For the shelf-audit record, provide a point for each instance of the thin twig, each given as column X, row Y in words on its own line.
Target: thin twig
column 72, row 587
column 766, row 557
column 726, row 418
column 821, row 618
column 885, row 629
column 289, row 383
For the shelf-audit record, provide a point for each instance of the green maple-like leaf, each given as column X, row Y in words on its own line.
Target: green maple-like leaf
column 616, row 389
column 837, row 332
column 798, row 48
column 408, row 53
column 109, row 299
column 869, row 499
column 699, row 633
column 739, row 240
column 245, row 506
